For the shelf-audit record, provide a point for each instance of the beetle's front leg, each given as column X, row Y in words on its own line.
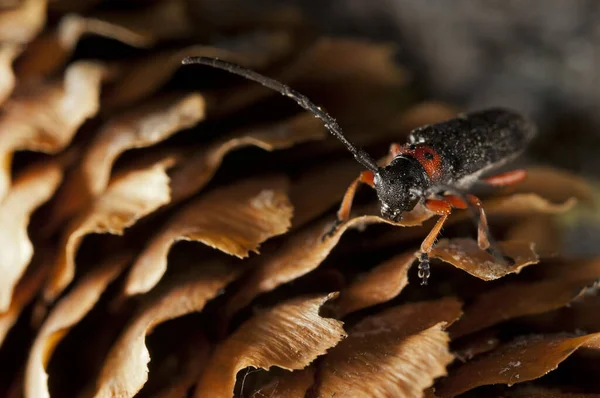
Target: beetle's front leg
column 442, row 208
column 343, row 214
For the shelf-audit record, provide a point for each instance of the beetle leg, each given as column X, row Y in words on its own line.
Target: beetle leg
column 508, row 178
column 395, row 150
column 343, row 214
column 443, row 208
column 484, row 236
column 366, row 177
column 483, row 230
column 459, row 200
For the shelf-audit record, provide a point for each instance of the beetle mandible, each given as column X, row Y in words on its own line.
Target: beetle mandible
column 438, row 164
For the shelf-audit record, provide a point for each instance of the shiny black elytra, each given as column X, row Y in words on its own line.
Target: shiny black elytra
column 437, row 165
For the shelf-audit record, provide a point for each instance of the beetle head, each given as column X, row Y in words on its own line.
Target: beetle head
column 399, row 185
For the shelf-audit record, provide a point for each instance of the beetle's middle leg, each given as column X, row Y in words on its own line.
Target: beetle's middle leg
column 443, row 207
column 485, row 241
column 483, row 229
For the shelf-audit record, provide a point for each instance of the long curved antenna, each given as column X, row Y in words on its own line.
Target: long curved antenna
column 359, row 154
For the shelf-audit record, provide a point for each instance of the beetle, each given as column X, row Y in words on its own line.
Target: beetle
column 436, row 167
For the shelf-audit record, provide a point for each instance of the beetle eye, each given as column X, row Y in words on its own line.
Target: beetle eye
column 413, row 197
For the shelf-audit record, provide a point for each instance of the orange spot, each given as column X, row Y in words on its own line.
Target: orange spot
column 430, row 160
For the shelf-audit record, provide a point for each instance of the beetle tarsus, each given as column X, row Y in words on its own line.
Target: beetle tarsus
column 424, row 268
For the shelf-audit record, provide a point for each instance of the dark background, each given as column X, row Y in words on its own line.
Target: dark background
column 541, row 57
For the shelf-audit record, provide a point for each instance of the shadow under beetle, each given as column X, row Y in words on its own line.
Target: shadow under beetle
column 438, row 164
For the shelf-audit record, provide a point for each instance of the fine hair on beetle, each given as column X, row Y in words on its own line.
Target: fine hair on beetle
column 436, row 167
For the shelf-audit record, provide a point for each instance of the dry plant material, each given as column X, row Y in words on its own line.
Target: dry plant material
column 541, row 229
column 70, row 6
column 143, row 127
column 9, row 4
column 424, row 113
column 146, row 76
column 466, row 255
column 44, row 117
column 581, row 314
column 50, row 51
column 128, row 198
column 555, row 185
column 8, row 53
column 47, row 95
column 125, row 370
column 515, row 300
column 396, row 353
column 379, row 285
column 163, row 20
column 22, row 24
column 73, row 27
column 524, row 359
column 290, row 336
column 234, row 219
column 475, row 344
column 27, row 288
column 197, row 171
column 68, row 312
column 189, row 369
column 533, row 391
column 31, row 189
column 302, row 253
column 290, row 385
column 526, row 204
column 332, row 186
column 346, row 73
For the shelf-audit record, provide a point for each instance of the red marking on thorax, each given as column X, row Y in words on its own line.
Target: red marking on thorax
column 429, row 159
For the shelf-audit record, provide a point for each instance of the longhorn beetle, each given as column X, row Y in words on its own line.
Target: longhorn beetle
column 435, row 167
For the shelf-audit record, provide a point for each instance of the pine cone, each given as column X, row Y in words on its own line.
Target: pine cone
column 162, row 225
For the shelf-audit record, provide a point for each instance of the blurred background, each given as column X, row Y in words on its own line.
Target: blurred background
column 541, row 57
column 380, row 67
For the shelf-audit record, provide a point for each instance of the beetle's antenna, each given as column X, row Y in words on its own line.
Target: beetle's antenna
column 359, row 154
